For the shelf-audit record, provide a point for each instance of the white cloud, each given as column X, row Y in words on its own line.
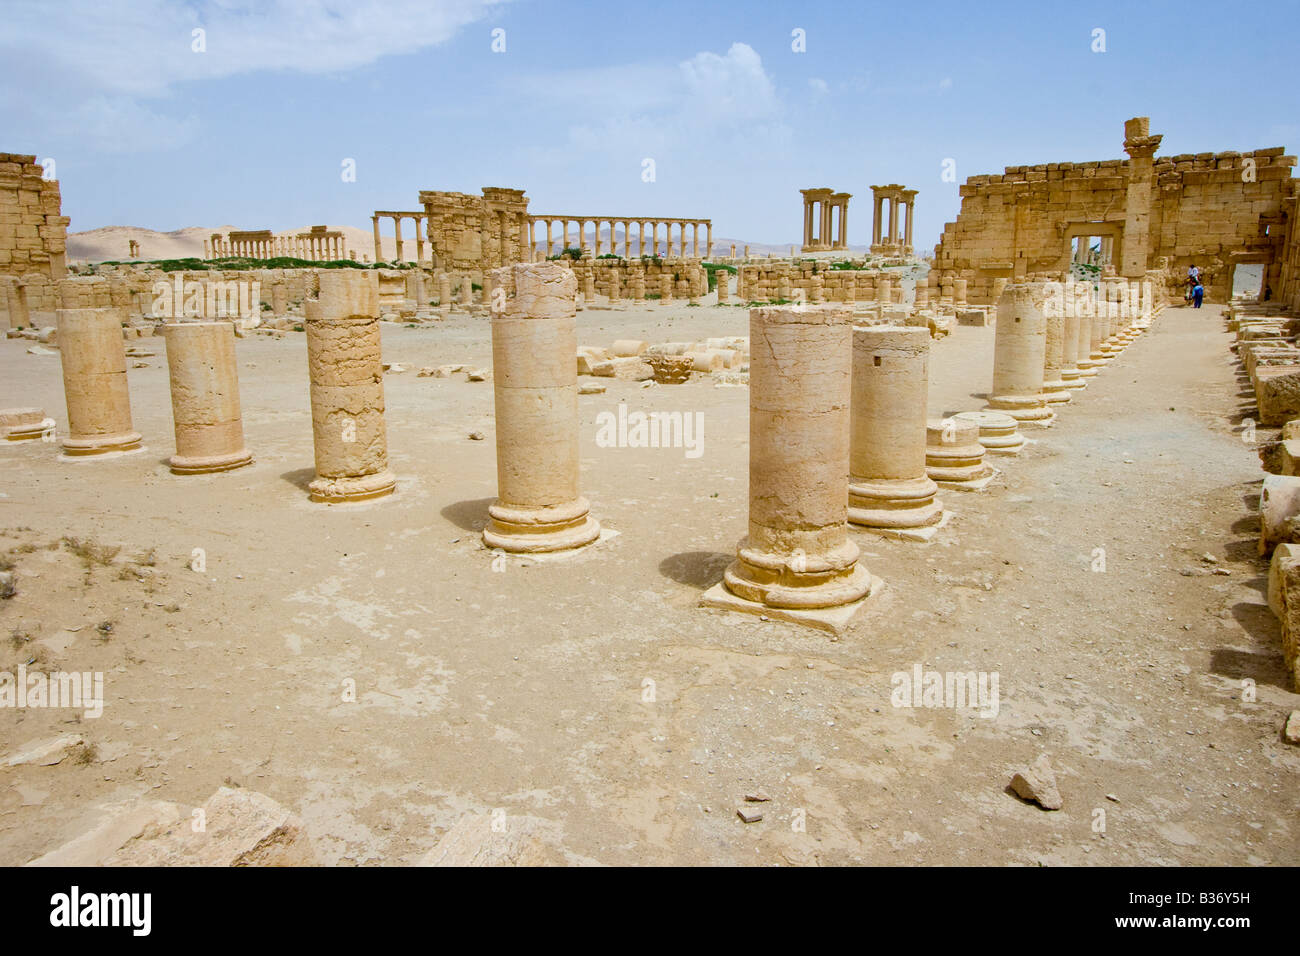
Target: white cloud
column 144, row 48
column 734, row 85
column 819, row 86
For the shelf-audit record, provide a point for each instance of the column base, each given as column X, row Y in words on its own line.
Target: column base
column 1026, row 411
column 894, row 505
column 528, row 530
column 101, row 444
column 347, row 490
column 1071, row 378
column 29, row 431
column 797, row 581
column 207, row 464
column 835, row 621
column 1054, row 393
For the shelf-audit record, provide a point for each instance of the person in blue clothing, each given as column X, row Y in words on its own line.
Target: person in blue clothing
column 1198, row 293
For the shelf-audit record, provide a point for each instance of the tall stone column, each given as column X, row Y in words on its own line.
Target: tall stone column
column 94, row 383
column 397, row 233
column 1141, row 147
column 797, row 562
column 893, row 221
column 205, row 398
column 1019, row 354
column 807, row 222
column 347, row 388
column 723, row 280
column 535, row 383
column 888, row 487
column 708, row 240
column 826, row 234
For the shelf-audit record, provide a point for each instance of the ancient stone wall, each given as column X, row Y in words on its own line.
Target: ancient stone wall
column 474, row 234
column 32, row 227
column 1214, row 210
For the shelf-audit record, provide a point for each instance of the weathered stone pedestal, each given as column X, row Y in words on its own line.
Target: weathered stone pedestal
column 24, row 424
column 205, row 398
column 94, row 383
column 954, row 457
column 535, row 382
column 797, row 562
column 889, row 492
column 1019, row 356
column 998, row 433
column 347, row 389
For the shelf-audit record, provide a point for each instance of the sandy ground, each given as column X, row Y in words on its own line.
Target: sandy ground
column 522, row 688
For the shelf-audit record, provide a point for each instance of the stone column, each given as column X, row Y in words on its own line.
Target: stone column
column 998, row 433
column 797, row 558
column 20, row 315
column 807, row 222
column 827, row 234
column 94, row 383
column 888, row 486
column 347, row 388
column 444, row 293
column 1054, row 392
column 893, row 221
column 885, row 291
column 1079, row 296
column 535, row 383
column 708, row 240
column 205, row 398
column 1071, row 377
column 1019, row 354
column 723, row 278
column 959, row 290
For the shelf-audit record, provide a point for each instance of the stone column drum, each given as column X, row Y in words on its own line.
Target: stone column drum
column 954, row 454
column 998, row 433
column 535, row 383
column 1019, row 355
column 94, row 383
column 205, row 398
column 798, row 555
column 1071, row 377
column 888, row 486
column 347, row 388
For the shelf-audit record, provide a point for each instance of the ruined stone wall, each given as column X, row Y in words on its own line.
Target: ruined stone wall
column 802, row 280
column 1210, row 209
column 475, row 234
column 32, row 227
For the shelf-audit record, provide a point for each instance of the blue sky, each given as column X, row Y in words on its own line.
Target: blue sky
column 253, row 131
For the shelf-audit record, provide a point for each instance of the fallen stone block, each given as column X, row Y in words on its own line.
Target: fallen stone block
column 1038, row 785
column 1284, row 601
column 1279, row 504
column 976, row 317
column 1277, row 393
column 488, row 840
column 239, row 828
column 625, row 348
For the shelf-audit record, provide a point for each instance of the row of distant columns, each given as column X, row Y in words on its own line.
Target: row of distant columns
column 820, row 222
column 397, row 217
column 897, row 196
column 1107, row 252
column 315, row 248
column 642, row 249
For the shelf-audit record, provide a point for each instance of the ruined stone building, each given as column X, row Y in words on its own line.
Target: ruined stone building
column 1214, row 210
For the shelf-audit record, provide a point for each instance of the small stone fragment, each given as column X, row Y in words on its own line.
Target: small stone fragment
column 1038, row 784
column 749, row 815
